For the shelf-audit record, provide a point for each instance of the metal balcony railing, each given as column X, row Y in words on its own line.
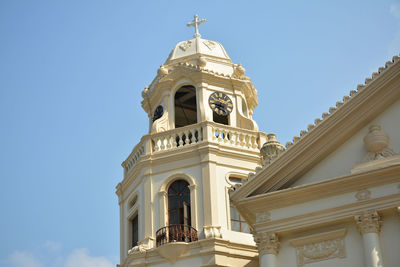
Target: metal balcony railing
column 176, row 233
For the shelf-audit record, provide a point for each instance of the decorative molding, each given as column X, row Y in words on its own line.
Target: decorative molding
column 160, row 125
column 185, row 45
column 363, row 195
column 368, row 222
column 320, row 247
column 212, row 232
column 263, row 217
column 267, row 243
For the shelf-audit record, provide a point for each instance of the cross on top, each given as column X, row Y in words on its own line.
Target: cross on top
column 195, row 23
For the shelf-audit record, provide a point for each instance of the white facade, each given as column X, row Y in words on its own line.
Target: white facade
column 333, row 197
column 330, row 198
column 205, row 154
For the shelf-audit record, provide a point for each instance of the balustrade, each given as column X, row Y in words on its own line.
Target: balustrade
column 176, row 233
column 194, row 134
column 177, row 138
column 237, row 138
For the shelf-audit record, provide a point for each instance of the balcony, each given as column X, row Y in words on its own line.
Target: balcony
column 176, row 233
column 211, row 132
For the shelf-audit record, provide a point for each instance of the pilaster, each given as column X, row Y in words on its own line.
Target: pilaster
column 268, row 248
column 369, row 224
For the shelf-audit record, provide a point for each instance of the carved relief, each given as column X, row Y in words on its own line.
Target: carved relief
column 368, row 222
column 161, row 124
column 267, row 243
column 377, row 144
column 185, row 45
column 209, row 44
column 263, row 217
column 320, row 247
column 363, row 195
column 212, row 231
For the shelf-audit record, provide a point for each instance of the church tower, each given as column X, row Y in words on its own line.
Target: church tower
column 174, row 202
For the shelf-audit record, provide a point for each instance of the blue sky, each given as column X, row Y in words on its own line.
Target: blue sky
column 71, row 76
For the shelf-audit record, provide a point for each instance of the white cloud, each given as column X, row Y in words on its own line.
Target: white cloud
column 24, row 259
column 395, row 10
column 80, row 258
column 52, row 246
column 77, row 258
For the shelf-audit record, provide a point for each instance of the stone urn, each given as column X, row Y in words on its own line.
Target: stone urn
column 376, row 140
column 271, row 149
column 239, row 71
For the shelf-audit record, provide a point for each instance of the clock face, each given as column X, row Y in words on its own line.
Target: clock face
column 158, row 113
column 220, row 103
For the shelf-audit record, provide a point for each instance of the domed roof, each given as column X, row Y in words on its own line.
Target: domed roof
column 196, row 47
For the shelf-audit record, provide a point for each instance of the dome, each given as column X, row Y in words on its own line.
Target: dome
column 196, row 47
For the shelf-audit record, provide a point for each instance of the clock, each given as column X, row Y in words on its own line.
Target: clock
column 158, row 113
column 220, row 103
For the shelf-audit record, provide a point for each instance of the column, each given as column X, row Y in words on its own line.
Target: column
column 268, row 247
column 369, row 224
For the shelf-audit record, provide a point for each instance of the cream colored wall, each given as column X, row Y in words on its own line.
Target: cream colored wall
column 345, row 157
column 390, row 239
column 331, row 202
column 353, row 247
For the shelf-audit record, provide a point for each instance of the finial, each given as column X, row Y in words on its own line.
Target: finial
column 195, row 23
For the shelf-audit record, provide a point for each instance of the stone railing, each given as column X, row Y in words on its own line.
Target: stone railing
column 194, row 134
column 179, row 137
column 235, row 137
column 136, row 153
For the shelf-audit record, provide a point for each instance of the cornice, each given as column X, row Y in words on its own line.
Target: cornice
column 204, row 247
column 329, row 216
column 321, row 189
column 198, row 75
column 329, row 134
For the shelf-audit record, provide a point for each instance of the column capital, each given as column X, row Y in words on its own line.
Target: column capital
column 267, row 243
column 368, row 222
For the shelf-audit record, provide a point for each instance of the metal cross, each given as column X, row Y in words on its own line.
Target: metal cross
column 195, row 23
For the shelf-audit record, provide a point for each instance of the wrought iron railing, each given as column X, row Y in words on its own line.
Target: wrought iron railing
column 176, row 233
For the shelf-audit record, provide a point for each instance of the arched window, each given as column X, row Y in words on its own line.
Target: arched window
column 179, row 203
column 185, row 106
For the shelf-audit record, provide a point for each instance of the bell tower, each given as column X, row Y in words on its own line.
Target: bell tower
column 174, row 203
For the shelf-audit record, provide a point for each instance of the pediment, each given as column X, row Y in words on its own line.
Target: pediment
column 333, row 146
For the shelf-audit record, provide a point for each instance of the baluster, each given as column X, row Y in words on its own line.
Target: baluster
column 187, row 140
column 156, row 147
column 242, row 143
column 225, row 136
column 174, row 143
column 180, row 135
column 162, row 143
column 169, row 141
column 232, row 136
column 254, row 142
column 247, row 141
column 193, row 140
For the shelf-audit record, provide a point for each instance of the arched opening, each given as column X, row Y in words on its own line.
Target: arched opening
column 185, row 106
column 179, row 203
column 220, row 118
